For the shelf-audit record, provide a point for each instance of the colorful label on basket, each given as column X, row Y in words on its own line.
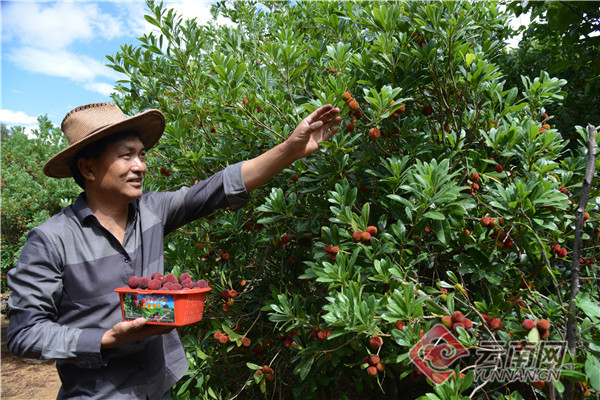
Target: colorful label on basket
column 153, row 307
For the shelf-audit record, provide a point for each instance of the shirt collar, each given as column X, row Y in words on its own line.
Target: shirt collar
column 82, row 211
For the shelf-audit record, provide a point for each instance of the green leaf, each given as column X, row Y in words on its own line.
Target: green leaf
column 592, row 370
column 469, row 59
column 534, row 336
column 436, row 215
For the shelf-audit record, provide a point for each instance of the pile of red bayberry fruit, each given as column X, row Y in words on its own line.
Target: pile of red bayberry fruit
column 167, row 282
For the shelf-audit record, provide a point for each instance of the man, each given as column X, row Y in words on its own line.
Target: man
column 63, row 306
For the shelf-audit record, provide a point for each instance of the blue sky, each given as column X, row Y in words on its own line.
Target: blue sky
column 53, row 54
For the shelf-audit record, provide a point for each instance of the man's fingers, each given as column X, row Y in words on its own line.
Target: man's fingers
column 322, row 113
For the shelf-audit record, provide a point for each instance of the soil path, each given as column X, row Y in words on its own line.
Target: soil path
column 25, row 378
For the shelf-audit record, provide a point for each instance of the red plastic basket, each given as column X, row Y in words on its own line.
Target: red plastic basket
column 163, row 307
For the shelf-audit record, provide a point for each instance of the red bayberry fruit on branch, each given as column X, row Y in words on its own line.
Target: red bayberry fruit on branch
column 475, row 177
column 374, row 133
column 349, row 127
column 495, row 324
column 346, row 96
column 366, row 237
column 543, row 325
column 498, row 168
column 372, row 370
column 457, row 316
column 447, row 321
column 468, row 324
column 354, row 106
column 528, row 324
column 372, row 230
column 427, row 110
column 357, row 236
column 375, row 342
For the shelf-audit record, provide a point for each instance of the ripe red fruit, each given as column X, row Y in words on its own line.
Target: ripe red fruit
column 349, row 128
column 295, row 177
column 372, row 370
column 400, row 325
column 457, row 316
column 456, row 325
column 543, row 117
column 217, row 335
column 223, row 339
column 401, row 109
column 354, row 106
column 143, row 282
column 155, row 284
column 427, row 110
column 357, row 236
column 528, row 324
column 245, row 100
column 346, row 96
column 543, row 325
column 544, row 335
column 133, row 282
column 372, row 230
column 447, row 321
column 538, row 384
column 498, row 168
column 233, row 293
column 475, row 177
column 468, row 324
column 374, row 359
column 171, row 278
column 366, row 237
column 246, row 342
column 374, row 133
column 375, row 342
column 285, row 239
column 495, row 324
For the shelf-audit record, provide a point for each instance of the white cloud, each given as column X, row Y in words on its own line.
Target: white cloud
column 57, row 25
column 16, row 117
column 103, row 88
column 189, row 9
column 78, row 68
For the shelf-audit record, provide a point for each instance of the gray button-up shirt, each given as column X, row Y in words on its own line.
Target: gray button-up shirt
column 63, row 300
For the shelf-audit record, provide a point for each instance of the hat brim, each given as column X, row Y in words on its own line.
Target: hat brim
column 149, row 125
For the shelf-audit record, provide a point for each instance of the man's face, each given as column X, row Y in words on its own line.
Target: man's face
column 121, row 168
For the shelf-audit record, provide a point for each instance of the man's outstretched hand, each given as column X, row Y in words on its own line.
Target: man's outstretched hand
column 319, row 126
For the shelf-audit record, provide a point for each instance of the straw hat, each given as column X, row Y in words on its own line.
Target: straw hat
column 86, row 124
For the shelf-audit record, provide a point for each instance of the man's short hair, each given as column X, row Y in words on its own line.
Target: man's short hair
column 94, row 151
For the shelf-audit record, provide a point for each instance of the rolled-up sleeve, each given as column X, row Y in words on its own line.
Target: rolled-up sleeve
column 36, row 289
column 234, row 187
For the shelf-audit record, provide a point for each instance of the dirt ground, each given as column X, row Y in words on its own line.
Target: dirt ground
column 25, row 378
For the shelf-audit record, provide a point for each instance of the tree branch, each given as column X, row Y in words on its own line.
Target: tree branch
column 572, row 335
